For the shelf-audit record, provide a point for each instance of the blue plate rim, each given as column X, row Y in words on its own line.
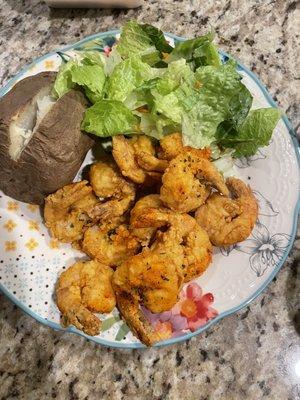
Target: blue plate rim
column 222, row 315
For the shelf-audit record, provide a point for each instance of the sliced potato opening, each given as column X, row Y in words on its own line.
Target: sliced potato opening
column 26, row 121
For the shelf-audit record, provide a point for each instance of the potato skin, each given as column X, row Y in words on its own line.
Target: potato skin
column 56, row 151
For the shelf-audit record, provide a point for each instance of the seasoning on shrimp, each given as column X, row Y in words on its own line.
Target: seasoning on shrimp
column 229, row 220
column 187, row 181
column 197, row 248
column 85, row 288
column 110, row 244
column 117, row 194
column 136, row 159
column 144, row 235
column 66, row 211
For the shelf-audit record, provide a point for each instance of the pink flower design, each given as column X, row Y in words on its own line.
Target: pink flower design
column 196, row 306
column 191, row 312
column 107, row 50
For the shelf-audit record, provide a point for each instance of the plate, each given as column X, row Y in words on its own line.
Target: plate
column 31, row 261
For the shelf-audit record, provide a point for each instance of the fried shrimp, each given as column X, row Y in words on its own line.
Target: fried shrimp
column 82, row 289
column 172, row 145
column 154, row 273
column 145, row 154
column 136, row 159
column 109, row 244
column 187, row 182
column 197, row 248
column 154, row 277
column 124, row 156
column 132, row 219
column 66, row 211
column 197, row 253
column 109, row 184
column 144, row 235
column 229, row 220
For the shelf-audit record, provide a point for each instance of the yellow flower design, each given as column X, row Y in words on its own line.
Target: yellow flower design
column 33, row 225
column 49, row 64
column 32, row 207
column 31, row 244
column 10, row 225
column 10, row 246
column 12, row 206
column 54, row 244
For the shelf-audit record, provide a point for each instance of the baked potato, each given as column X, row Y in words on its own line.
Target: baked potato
column 41, row 144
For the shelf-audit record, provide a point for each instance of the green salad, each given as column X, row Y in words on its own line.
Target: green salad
column 147, row 86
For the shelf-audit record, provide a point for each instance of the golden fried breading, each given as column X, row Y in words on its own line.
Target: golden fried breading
column 109, row 244
column 228, row 221
column 129, row 307
column 145, row 154
column 108, row 183
column 124, row 156
column 136, row 159
column 197, row 249
column 155, row 249
column 156, row 273
column 171, row 145
column 82, row 289
column 187, row 181
column 66, row 211
column 197, row 253
column 155, row 276
column 144, row 235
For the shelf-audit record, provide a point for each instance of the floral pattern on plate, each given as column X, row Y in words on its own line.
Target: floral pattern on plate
column 193, row 310
column 265, row 250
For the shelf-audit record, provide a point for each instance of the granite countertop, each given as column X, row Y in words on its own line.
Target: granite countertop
column 252, row 354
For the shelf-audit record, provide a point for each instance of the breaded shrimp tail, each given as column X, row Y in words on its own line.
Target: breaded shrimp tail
column 129, row 308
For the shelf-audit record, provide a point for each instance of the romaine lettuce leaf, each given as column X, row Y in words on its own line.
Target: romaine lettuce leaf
column 220, row 80
column 157, row 126
column 91, row 57
column 91, row 78
column 255, row 132
column 138, row 98
column 197, row 52
column 63, row 82
column 239, row 105
column 221, row 97
column 109, row 118
column 157, row 38
column 147, row 86
column 176, row 73
column 143, row 40
column 200, row 124
column 87, row 72
column 175, row 91
column 112, row 61
column 127, row 76
column 222, row 160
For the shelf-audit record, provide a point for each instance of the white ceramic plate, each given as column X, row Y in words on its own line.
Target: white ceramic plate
column 30, row 261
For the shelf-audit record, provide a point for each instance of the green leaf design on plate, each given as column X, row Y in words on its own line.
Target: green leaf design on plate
column 64, row 56
column 109, row 322
column 97, row 44
column 91, row 44
column 122, row 332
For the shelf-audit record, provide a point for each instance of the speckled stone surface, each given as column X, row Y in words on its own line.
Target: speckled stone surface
column 250, row 355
